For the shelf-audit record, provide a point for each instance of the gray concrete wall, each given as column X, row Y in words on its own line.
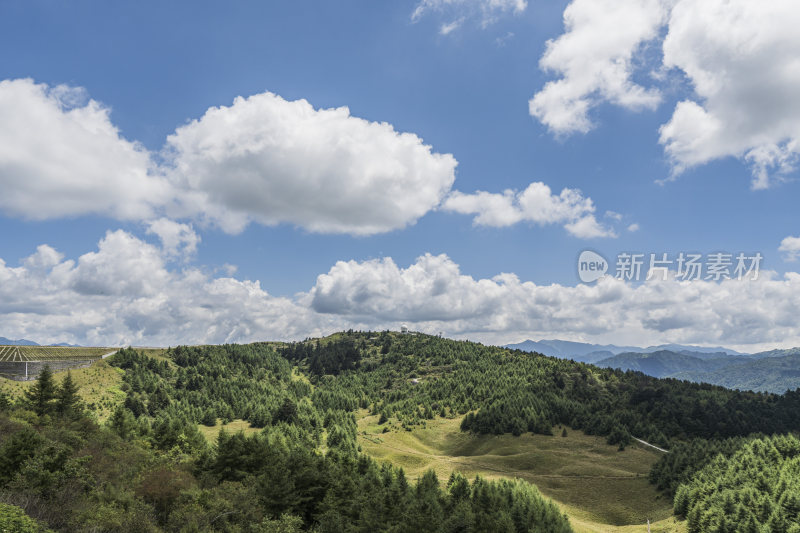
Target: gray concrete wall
column 16, row 370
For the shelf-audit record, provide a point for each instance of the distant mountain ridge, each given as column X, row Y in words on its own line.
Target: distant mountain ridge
column 666, row 363
column 772, row 371
column 25, row 342
column 767, row 373
column 19, row 342
column 592, row 353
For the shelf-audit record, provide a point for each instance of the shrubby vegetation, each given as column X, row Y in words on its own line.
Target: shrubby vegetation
column 686, row 458
column 755, row 489
column 415, row 378
column 151, row 467
column 505, row 391
column 14, row 520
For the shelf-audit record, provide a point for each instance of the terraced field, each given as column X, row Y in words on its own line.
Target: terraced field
column 49, row 353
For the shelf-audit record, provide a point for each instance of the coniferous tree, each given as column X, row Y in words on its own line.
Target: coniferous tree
column 209, row 418
column 123, row 422
column 40, row 397
column 67, row 399
column 5, row 402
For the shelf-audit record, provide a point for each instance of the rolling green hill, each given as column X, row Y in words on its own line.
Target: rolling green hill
column 365, row 431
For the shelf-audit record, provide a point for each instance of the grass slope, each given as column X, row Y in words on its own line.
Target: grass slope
column 99, row 387
column 234, row 426
column 599, row 487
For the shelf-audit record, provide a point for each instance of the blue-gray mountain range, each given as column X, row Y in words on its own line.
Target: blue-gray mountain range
column 25, row 342
column 771, row 371
column 591, row 353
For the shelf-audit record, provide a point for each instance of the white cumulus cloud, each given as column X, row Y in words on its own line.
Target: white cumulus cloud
column 273, row 161
column 430, row 289
column 125, row 293
column 742, row 60
column 536, row 204
column 739, row 58
column 434, row 295
column 60, row 155
column 790, row 246
column 128, row 292
column 595, row 58
column 177, row 239
column 262, row 159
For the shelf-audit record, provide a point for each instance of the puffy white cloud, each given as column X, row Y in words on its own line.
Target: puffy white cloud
column 124, row 293
column 430, row 289
column 741, row 58
column 123, row 265
column 535, row 204
column 488, row 11
column 790, row 246
column 434, row 295
column 60, row 155
column 272, row 161
column 595, row 58
column 45, row 257
column 262, row 159
column 177, row 239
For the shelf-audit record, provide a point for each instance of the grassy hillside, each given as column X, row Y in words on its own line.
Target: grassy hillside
column 149, row 468
column 315, row 416
column 234, row 426
column 99, row 387
column 600, row 487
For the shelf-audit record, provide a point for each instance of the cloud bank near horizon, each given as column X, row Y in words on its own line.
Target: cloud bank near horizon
column 129, row 291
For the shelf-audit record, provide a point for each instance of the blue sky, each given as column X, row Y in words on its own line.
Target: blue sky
column 153, row 67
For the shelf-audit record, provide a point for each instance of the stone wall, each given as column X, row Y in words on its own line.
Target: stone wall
column 16, row 369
